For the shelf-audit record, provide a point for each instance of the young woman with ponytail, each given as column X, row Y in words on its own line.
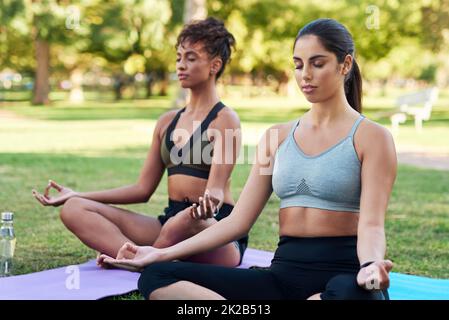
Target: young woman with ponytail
column 333, row 171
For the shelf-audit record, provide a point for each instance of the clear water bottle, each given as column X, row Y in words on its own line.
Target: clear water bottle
column 7, row 244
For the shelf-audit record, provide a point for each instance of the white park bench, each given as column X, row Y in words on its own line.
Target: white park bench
column 418, row 104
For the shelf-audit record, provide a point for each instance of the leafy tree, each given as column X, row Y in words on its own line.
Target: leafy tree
column 130, row 34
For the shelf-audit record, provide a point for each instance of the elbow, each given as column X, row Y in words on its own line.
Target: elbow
column 145, row 197
column 142, row 194
column 245, row 230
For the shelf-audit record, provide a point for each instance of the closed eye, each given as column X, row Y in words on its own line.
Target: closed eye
column 316, row 65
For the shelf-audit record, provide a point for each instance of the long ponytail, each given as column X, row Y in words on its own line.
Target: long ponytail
column 353, row 87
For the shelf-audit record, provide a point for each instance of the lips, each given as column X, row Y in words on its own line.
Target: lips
column 308, row 88
column 182, row 76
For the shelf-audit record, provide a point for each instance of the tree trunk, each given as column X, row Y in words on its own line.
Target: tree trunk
column 164, row 84
column 119, row 83
column 282, row 86
column 149, row 82
column 41, row 81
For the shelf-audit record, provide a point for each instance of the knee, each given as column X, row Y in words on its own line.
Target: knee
column 345, row 287
column 70, row 210
column 177, row 228
column 151, row 279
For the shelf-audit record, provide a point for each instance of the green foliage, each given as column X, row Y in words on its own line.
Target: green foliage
column 128, row 31
column 14, row 44
column 139, row 35
column 428, row 74
column 435, row 22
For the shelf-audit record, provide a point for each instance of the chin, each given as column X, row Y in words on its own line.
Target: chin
column 313, row 99
column 185, row 85
column 318, row 98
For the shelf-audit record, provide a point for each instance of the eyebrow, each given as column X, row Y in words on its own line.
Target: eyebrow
column 311, row 58
column 188, row 52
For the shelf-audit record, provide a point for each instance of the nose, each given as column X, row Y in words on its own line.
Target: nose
column 306, row 73
column 180, row 65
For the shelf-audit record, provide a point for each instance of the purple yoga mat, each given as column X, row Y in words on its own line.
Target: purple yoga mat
column 88, row 282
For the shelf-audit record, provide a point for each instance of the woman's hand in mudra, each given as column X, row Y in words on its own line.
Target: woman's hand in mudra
column 63, row 194
column 206, row 208
column 131, row 257
column 375, row 276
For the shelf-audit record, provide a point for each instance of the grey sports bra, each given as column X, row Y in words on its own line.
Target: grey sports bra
column 330, row 180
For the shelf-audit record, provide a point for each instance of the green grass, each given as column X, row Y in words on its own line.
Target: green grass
column 98, row 146
column 256, row 114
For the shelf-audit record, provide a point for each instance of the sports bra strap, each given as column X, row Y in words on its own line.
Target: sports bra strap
column 203, row 126
column 211, row 116
column 171, row 127
column 295, row 125
column 355, row 126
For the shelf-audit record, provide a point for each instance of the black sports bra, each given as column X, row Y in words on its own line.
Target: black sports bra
column 192, row 159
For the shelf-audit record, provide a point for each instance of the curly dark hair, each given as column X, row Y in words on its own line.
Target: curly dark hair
column 212, row 33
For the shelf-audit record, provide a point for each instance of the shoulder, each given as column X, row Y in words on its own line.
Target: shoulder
column 164, row 121
column 372, row 137
column 227, row 118
column 282, row 129
column 167, row 117
column 275, row 135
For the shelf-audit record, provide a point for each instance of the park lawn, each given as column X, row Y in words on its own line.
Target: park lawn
column 256, row 114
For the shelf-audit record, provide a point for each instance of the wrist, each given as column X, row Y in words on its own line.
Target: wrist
column 74, row 194
column 366, row 264
column 164, row 254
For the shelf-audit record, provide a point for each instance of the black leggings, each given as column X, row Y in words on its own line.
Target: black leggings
column 176, row 206
column 301, row 267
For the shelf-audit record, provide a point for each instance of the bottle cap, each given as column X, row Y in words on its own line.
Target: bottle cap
column 7, row 216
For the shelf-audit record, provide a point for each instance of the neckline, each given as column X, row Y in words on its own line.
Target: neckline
column 298, row 148
column 170, row 142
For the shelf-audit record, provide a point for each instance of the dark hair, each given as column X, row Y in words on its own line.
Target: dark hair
column 216, row 38
column 337, row 39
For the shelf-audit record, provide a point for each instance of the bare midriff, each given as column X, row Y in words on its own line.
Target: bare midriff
column 312, row 222
column 183, row 186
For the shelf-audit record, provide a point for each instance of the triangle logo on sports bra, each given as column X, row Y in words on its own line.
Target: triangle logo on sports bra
column 303, row 188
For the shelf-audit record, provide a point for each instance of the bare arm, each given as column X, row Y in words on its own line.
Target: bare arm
column 141, row 191
column 226, row 137
column 378, row 176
